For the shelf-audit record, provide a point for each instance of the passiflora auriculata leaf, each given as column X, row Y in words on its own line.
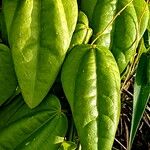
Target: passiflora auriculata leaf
column 142, row 11
column 82, row 32
column 43, row 127
column 91, row 82
column 125, row 34
column 100, row 14
column 40, row 35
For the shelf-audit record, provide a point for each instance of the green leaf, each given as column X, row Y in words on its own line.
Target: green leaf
column 39, row 36
column 100, row 14
column 8, row 82
column 142, row 11
column 141, row 93
column 9, row 8
column 24, row 129
column 91, row 82
column 67, row 145
column 124, row 38
column 82, row 32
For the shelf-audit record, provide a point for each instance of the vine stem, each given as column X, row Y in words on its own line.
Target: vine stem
column 111, row 22
column 120, row 144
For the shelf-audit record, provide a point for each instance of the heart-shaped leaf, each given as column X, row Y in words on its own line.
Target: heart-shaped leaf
column 142, row 11
column 125, row 34
column 82, row 32
column 100, row 14
column 91, row 82
column 44, row 127
column 40, row 35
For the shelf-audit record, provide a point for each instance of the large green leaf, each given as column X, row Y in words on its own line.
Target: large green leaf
column 41, row 128
column 39, row 36
column 82, row 32
column 142, row 11
column 100, row 14
column 124, row 38
column 91, row 82
column 8, row 82
column 141, row 93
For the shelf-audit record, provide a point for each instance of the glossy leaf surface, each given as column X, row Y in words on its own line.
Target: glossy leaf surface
column 91, row 82
column 8, row 82
column 24, row 129
column 142, row 11
column 125, row 33
column 141, row 93
column 40, row 36
column 100, row 14
column 82, row 32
